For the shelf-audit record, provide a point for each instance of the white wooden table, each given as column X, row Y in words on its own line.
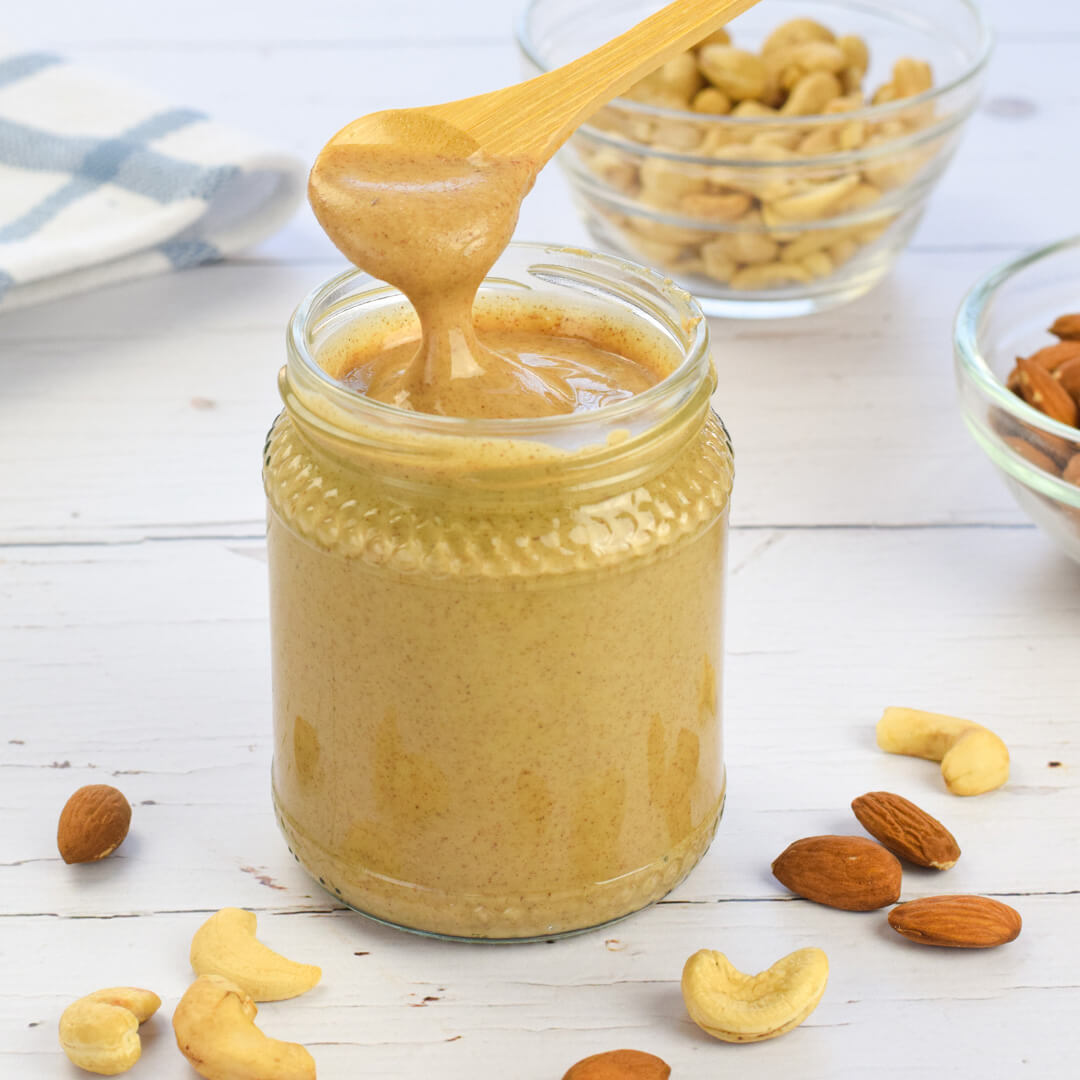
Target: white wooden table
column 875, row 560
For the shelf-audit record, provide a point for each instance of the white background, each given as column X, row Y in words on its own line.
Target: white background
column 875, row 559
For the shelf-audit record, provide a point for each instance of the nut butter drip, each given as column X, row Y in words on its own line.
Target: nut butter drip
column 420, row 206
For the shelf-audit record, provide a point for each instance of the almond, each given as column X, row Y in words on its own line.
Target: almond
column 1068, row 377
column 1051, row 357
column 619, row 1065
column 93, row 823
column 1072, row 470
column 1041, row 390
column 1032, row 454
column 959, row 922
column 847, row 872
column 906, row 830
column 1067, row 327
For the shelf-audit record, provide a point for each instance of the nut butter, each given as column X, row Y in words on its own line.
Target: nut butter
column 497, row 640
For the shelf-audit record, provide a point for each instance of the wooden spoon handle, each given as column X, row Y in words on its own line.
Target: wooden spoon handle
column 536, row 117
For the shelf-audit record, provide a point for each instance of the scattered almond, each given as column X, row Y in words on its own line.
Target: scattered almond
column 847, row 872
column 906, row 830
column 959, row 922
column 1067, row 327
column 93, row 823
column 619, row 1065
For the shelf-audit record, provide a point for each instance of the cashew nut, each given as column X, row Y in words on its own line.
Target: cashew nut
column 716, row 207
column 771, row 275
column 740, row 74
column 818, row 264
column 808, row 242
column 226, row 945
column 767, row 177
column 719, row 264
column 911, row 77
column 215, row 1030
column 795, row 61
column 843, row 250
column 717, row 37
column 751, row 248
column 673, row 135
column 973, row 759
column 821, row 140
column 657, row 251
column 711, row 100
column 812, row 93
column 855, row 51
column 818, row 202
column 735, row 1007
column 663, row 183
column 678, row 79
column 795, row 32
column 617, row 169
column 100, row 1032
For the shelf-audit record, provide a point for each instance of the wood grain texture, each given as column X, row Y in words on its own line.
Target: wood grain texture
column 410, row 1008
column 113, row 673
column 876, row 560
column 177, row 374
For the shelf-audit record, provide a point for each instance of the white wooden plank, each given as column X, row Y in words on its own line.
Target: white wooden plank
column 531, row 1011
column 142, row 410
column 138, row 25
column 329, row 23
column 114, row 674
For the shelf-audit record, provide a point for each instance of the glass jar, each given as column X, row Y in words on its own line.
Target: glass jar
column 497, row 643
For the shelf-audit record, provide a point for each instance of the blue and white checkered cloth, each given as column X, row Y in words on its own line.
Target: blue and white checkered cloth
column 100, row 182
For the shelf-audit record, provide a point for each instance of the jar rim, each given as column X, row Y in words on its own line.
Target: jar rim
column 648, row 291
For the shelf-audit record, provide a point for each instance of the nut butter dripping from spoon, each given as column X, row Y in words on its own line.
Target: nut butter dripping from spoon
column 426, row 199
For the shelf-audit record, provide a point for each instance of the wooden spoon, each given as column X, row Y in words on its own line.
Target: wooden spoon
column 426, row 199
column 533, row 119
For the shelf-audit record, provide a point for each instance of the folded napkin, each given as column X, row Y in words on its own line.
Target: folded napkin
column 101, row 182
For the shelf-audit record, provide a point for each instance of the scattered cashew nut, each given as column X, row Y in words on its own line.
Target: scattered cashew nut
column 226, row 945
column 100, row 1032
column 215, row 1030
column 973, row 759
column 735, row 1007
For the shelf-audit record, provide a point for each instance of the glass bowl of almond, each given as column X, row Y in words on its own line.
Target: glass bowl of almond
column 780, row 166
column 1017, row 345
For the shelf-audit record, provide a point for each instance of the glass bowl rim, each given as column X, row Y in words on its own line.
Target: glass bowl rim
column 974, row 368
column 975, row 68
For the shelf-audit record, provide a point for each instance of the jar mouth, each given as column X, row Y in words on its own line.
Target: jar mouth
column 604, row 280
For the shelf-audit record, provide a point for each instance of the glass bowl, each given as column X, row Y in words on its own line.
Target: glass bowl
column 769, row 215
column 1004, row 316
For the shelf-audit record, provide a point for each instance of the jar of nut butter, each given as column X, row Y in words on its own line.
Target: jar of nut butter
column 497, row 642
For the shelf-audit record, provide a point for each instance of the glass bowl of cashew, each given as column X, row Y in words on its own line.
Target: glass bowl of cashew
column 779, row 167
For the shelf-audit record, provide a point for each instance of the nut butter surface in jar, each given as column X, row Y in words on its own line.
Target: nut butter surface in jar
column 497, row 643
